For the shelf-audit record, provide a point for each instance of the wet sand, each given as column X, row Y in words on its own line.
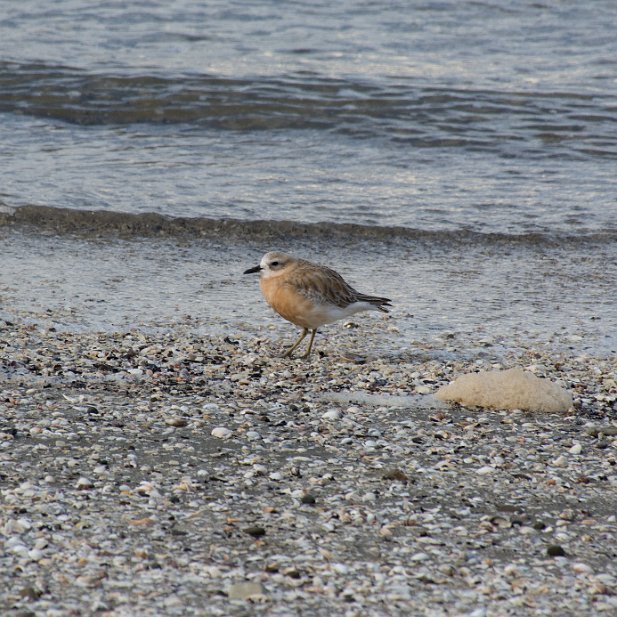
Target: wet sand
column 121, row 274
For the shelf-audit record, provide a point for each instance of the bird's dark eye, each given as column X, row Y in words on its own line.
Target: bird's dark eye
column 274, row 263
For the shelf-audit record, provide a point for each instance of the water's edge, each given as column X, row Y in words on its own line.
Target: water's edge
column 102, row 223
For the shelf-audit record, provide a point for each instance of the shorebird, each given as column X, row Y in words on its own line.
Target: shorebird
column 309, row 295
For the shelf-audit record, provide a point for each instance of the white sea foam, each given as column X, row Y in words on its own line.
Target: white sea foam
column 511, row 389
column 367, row 398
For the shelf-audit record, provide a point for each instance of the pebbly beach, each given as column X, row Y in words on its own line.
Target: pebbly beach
column 175, row 473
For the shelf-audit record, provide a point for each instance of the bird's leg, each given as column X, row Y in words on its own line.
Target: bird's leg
column 293, row 348
column 310, row 345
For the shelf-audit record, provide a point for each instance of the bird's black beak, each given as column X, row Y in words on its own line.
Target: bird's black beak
column 251, row 270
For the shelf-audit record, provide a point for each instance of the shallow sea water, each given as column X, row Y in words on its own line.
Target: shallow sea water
column 431, row 115
column 483, row 134
column 501, row 297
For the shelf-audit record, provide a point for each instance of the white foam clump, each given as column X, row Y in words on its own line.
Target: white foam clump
column 510, row 389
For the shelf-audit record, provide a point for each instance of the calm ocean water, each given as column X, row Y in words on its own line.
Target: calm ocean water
column 449, row 121
column 494, row 116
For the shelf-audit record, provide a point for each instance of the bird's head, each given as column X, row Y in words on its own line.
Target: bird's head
column 272, row 263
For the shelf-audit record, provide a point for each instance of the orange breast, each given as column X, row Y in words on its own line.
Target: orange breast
column 286, row 302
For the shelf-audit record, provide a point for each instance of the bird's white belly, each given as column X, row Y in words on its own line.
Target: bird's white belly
column 321, row 314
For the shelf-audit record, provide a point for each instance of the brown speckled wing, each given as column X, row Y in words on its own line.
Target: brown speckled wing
column 324, row 285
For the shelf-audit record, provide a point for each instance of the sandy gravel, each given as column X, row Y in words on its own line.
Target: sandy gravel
column 175, row 474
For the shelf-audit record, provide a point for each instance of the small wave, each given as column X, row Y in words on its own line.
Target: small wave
column 103, row 223
column 404, row 113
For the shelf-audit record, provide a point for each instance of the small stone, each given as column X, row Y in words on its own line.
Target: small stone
column 555, row 550
column 142, row 522
column 15, row 547
column 598, row 588
column 385, row 532
column 501, row 522
column 581, row 568
column 395, row 475
column 35, row 554
column 331, row 415
column 220, row 432
column 245, row 591
column 30, row 593
column 176, row 422
column 526, row 530
column 560, row 461
column 255, row 531
column 576, row 449
column 84, row 484
column 23, row 612
column 16, row 526
column 483, row 471
column 308, row 499
column 607, row 430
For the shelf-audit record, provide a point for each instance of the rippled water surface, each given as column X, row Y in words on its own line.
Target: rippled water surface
column 487, row 115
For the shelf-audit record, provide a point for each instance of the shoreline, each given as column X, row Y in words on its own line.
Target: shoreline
column 100, row 224
column 562, row 299
column 148, row 472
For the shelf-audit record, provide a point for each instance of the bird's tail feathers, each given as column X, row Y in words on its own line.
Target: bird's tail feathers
column 381, row 304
